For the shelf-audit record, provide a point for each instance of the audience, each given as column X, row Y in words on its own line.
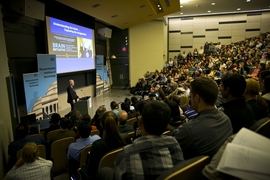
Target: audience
column 64, row 131
column 232, row 88
column 55, row 118
column 96, row 121
column 87, row 118
column 114, row 107
column 21, row 139
column 110, row 141
column 74, row 149
column 266, row 90
column 30, row 166
column 122, row 119
column 151, row 154
column 206, row 133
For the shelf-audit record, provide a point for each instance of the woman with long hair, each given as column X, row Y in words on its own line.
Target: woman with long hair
column 111, row 140
column 254, row 99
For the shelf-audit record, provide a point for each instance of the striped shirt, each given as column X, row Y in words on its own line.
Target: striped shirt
column 148, row 157
column 190, row 113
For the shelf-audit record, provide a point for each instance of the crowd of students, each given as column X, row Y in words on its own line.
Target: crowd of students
column 203, row 98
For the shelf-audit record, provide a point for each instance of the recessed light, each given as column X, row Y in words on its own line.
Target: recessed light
column 181, row 13
column 248, row 0
column 209, row 11
column 238, row 9
column 181, row 6
column 213, row 4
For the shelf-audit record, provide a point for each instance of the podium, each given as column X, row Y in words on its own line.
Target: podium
column 84, row 105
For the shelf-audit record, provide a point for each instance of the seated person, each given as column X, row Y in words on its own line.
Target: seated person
column 87, row 118
column 111, row 140
column 55, row 118
column 30, row 165
column 153, row 153
column 114, row 107
column 122, row 119
column 64, row 131
column 96, row 121
column 74, row 149
column 206, row 133
column 126, row 107
column 21, row 139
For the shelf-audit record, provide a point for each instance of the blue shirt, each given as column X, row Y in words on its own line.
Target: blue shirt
column 74, row 149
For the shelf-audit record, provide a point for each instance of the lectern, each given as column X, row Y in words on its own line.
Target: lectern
column 84, row 105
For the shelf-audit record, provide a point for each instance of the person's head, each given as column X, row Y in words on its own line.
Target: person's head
column 55, row 118
column 101, row 110
column 23, row 129
column 175, row 112
column 232, row 86
column 71, row 82
column 128, row 101
column 30, row 152
column 122, row 117
column 134, row 100
column 75, row 116
column 253, row 87
column 109, row 123
column 86, row 118
column 186, row 86
column 203, row 93
column 64, row 123
column 114, row 105
column 155, row 118
column 139, row 107
column 84, row 129
column 125, row 107
column 184, row 101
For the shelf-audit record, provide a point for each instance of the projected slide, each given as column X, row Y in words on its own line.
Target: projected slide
column 72, row 44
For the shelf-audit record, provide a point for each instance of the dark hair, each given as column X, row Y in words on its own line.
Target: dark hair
column 128, row 101
column 206, row 88
column 22, row 129
column 64, row 123
column 55, row 118
column 125, row 106
column 139, row 106
column 267, row 84
column 134, row 100
column 86, row 118
column 264, row 73
column 236, row 84
column 156, row 116
column 175, row 112
column 84, row 129
column 114, row 105
column 109, row 122
column 75, row 116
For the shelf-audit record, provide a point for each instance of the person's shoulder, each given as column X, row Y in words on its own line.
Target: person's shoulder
column 96, row 137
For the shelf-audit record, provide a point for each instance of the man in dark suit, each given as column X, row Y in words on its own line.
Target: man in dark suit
column 72, row 96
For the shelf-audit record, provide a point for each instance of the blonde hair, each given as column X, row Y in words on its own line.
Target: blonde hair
column 30, row 152
column 184, row 101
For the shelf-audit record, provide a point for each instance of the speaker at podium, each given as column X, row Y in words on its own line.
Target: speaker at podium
column 84, row 105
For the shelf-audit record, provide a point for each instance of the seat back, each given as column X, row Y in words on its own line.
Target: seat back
column 38, row 135
column 131, row 121
column 94, row 132
column 264, row 129
column 59, row 154
column 84, row 154
column 108, row 159
column 41, row 149
column 131, row 134
column 52, row 134
column 186, row 170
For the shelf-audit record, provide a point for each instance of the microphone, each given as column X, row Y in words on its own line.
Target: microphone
column 83, row 92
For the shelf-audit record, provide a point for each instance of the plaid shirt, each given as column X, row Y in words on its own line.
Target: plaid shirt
column 39, row 169
column 147, row 157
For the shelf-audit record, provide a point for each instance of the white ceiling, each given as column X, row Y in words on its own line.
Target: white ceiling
column 132, row 12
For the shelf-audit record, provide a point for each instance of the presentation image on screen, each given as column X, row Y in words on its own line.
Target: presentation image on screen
column 73, row 45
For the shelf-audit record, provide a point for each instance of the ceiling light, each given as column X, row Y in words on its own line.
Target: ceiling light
column 209, row 11
column 181, row 13
column 213, row 4
column 248, row 0
column 159, row 8
column 158, row 5
column 181, row 6
column 238, row 9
